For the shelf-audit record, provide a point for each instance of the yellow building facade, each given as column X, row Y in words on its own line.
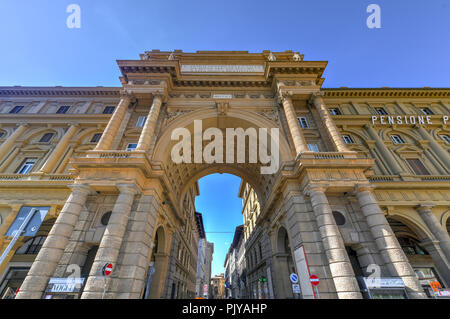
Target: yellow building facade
column 362, row 186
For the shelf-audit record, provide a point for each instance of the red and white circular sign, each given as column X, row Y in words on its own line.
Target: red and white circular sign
column 314, row 280
column 107, row 269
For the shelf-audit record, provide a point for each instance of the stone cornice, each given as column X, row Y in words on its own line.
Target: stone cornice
column 386, row 92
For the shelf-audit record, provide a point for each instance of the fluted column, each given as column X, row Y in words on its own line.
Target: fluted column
column 393, row 165
column 6, row 145
column 53, row 248
column 294, row 127
column 340, row 267
column 437, row 149
column 109, row 247
column 150, row 124
column 390, row 250
column 330, row 126
column 60, row 148
column 435, row 227
column 114, row 124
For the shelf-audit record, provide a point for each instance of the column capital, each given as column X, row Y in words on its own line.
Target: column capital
column 364, row 188
column 128, row 188
column 127, row 95
column 315, row 188
column 316, row 97
column 284, row 96
column 424, row 208
column 82, row 188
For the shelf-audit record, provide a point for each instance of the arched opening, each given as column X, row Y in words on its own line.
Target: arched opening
column 421, row 252
column 158, row 266
column 284, row 264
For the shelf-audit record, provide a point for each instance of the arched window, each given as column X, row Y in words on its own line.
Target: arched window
column 105, row 218
column 32, row 246
column 411, row 246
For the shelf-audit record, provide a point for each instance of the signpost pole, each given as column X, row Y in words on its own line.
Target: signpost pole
column 106, row 271
column 104, row 288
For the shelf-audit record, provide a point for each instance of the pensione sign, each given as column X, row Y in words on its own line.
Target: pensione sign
column 406, row 119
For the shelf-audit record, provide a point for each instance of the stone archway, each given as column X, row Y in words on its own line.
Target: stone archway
column 159, row 258
column 284, row 264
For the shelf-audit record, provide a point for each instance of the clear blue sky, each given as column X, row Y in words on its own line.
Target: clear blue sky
column 412, row 49
column 221, row 209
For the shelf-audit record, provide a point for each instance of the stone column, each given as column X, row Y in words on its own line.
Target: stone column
column 114, row 124
column 330, row 126
column 387, row 155
column 150, row 124
column 111, row 242
column 53, row 248
column 6, row 145
column 294, row 127
column 340, row 267
column 57, row 152
column 435, row 227
column 437, row 149
column 390, row 250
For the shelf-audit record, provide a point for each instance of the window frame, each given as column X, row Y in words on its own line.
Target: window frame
column 143, row 119
column 13, row 110
column 63, row 109
column 344, row 136
column 26, row 164
column 425, row 111
column 313, row 145
column 335, row 109
column 381, row 111
column 113, row 108
column 417, row 166
column 129, row 149
column 396, row 136
column 444, row 137
column 94, row 136
column 41, row 140
column 305, row 124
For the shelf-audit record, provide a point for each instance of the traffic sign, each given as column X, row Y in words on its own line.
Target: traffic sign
column 296, row 288
column 314, row 280
column 107, row 269
column 294, row 278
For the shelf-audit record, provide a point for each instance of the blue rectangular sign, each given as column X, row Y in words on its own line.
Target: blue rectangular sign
column 33, row 225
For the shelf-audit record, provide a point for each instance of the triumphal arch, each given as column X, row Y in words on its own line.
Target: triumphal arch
column 122, row 185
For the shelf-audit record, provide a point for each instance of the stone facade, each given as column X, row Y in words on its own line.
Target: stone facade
column 362, row 186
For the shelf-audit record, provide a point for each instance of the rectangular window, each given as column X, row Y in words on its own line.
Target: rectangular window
column 131, row 146
column 348, row 139
column 1, row 134
column 26, row 166
column 397, row 139
column 46, row 138
column 16, row 109
column 109, row 110
column 427, row 111
column 381, row 111
column 445, row 137
column 335, row 111
column 417, row 166
column 303, row 122
column 96, row 138
column 313, row 147
column 63, row 109
column 141, row 121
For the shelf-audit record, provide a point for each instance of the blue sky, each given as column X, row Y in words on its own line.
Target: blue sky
column 411, row 49
column 221, row 209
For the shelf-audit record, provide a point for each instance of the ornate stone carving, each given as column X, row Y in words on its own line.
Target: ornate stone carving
column 222, row 107
column 298, row 57
column 272, row 57
column 171, row 116
column 271, row 115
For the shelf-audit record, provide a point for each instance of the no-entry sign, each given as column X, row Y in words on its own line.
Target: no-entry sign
column 314, row 280
column 107, row 269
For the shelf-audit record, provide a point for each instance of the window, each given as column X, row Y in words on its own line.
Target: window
column 445, row 137
column 12, row 281
column 339, row 218
column 381, row 111
column 427, row 111
column 417, row 166
column 109, row 110
column 411, row 246
column 141, row 121
column 105, row 218
column 131, row 146
column 26, row 167
column 16, row 109
column 63, row 109
column 397, row 139
column 313, row 147
column 46, row 138
column 32, row 246
column 96, row 138
column 348, row 139
column 335, row 111
column 303, row 122
column 2, row 134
